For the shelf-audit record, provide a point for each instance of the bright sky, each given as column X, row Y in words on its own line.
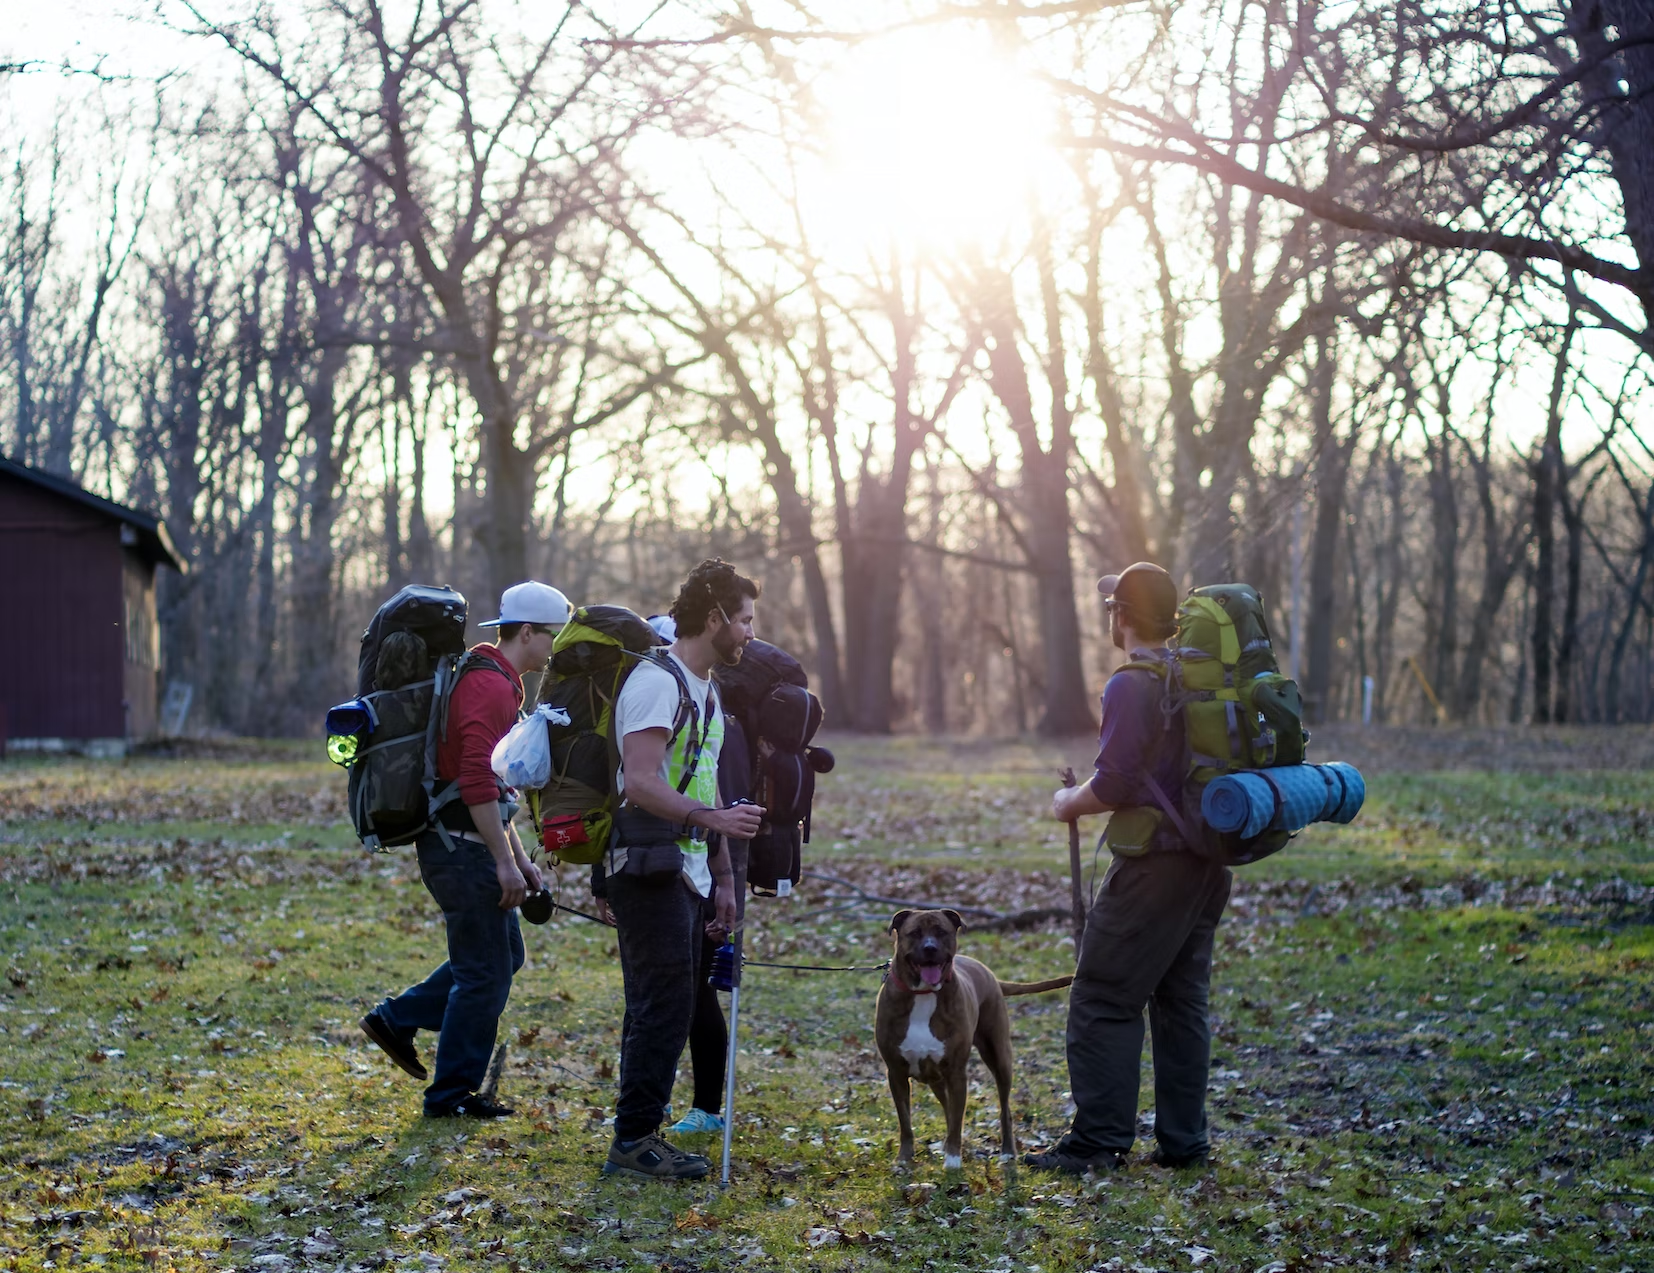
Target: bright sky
column 120, row 35
column 936, row 137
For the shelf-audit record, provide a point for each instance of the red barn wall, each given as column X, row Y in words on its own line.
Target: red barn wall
column 62, row 650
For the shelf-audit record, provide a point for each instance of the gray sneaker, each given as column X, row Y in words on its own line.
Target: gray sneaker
column 1065, row 1160
column 654, row 1159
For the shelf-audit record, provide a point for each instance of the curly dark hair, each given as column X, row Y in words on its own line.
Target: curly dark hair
column 711, row 585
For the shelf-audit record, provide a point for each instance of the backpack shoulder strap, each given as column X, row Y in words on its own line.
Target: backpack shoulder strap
column 1171, row 702
column 470, row 661
column 687, row 715
column 443, row 695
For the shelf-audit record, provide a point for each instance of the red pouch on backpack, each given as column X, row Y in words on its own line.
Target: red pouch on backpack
column 563, row 831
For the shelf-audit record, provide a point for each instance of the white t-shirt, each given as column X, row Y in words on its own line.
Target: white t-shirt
column 649, row 700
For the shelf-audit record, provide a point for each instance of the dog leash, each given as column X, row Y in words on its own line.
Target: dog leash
column 558, row 906
column 884, row 967
column 755, row 963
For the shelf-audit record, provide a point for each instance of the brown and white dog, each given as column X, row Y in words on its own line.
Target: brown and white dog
column 933, row 1006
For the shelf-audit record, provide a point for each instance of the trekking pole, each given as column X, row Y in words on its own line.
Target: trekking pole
column 1077, row 895
column 729, row 1062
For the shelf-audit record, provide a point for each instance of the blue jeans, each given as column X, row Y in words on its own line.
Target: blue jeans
column 464, row 997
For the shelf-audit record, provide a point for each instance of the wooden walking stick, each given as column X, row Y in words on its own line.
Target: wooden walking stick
column 1078, row 894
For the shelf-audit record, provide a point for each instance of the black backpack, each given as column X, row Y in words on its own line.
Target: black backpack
column 413, row 655
column 767, row 694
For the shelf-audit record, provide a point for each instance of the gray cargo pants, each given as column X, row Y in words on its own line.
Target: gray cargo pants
column 1148, row 941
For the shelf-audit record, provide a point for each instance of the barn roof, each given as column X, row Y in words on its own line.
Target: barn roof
column 150, row 532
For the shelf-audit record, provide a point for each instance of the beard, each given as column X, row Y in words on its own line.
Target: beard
column 726, row 647
column 1116, row 634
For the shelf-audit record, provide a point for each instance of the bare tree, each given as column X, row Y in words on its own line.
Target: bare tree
column 1489, row 122
column 536, row 123
column 55, row 295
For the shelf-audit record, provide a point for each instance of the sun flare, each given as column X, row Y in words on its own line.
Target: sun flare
column 934, row 138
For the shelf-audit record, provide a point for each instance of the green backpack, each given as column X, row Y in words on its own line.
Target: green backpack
column 1239, row 713
column 593, row 655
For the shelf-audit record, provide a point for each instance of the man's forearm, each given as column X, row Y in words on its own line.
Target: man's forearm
column 518, row 850
column 1081, row 801
column 720, row 863
column 650, row 792
column 492, row 831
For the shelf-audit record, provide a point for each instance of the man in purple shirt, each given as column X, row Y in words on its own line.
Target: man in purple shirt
column 1148, row 936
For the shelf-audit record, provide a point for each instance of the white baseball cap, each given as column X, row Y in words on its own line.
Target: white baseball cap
column 531, row 603
column 665, row 626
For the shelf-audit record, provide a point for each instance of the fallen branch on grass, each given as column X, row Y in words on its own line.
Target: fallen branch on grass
column 982, row 921
column 875, row 899
column 1034, row 918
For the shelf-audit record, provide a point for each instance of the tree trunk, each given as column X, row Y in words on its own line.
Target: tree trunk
column 1625, row 85
column 1573, row 525
column 874, row 540
column 316, row 658
column 1546, row 471
column 1633, row 602
column 874, row 555
column 421, row 549
column 1126, row 490
column 1442, row 625
column 1388, row 571
column 1067, row 707
column 1331, row 475
column 798, row 531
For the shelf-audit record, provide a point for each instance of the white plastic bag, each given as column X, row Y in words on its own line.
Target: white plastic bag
column 522, row 758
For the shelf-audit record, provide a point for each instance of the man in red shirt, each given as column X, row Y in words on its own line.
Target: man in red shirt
column 479, row 873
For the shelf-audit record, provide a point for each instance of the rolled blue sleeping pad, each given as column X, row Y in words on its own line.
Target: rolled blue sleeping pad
column 1285, row 799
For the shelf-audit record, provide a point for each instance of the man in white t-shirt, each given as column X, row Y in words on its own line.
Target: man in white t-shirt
column 670, row 854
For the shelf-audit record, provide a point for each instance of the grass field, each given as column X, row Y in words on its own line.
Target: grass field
column 1433, row 1035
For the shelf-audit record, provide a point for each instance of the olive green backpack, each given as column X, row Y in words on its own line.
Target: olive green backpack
column 1239, row 713
column 595, row 652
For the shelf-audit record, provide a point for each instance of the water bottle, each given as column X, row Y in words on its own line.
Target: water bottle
column 346, row 725
column 341, row 748
column 722, row 976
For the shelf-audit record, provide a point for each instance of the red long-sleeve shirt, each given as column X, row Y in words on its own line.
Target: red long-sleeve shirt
column 483, row 708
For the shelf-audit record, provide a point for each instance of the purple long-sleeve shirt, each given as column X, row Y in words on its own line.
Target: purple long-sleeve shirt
column 1137, row 738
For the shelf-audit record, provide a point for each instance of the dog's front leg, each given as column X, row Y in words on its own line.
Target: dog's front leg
column 953, row 1092
column 901, row 1093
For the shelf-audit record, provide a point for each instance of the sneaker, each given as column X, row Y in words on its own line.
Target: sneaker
column 393, row 1045
column 1059, row 1159
column 472, row 1106
column 697, row 1120
column 1160, row 1158
column 653, row 1159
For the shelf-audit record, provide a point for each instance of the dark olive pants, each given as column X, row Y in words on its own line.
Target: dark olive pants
column 1147, row 943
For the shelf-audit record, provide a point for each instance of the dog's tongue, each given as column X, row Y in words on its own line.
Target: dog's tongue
column 930, row 974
